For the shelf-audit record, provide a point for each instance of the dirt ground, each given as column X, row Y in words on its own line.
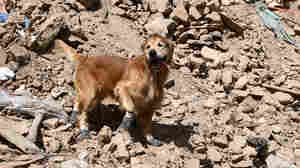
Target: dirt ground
column 232, row 80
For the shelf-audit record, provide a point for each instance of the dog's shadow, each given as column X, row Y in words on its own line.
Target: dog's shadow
column 111, row 116
column 176, row 133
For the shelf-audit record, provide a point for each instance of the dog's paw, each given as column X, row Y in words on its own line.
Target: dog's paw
column 74, row 116
column 84, row 134
column 154, row 142
column 127, row 123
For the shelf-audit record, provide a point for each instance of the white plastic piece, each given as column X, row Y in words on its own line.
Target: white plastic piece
column 6, row 73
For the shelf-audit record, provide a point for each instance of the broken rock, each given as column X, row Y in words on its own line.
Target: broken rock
column 21, row 54
column 274, row 161
column 227, row 76
column 243, row 164
column 89, row 4
column 159, row 5
column 209, row 53
column 215, row 18
column 179, row 13
column 51, row 123
column 104, row 135
column 283, row 98
column 194, row 12
column 192, row 163
column 136, row 162
column 74, row 164
column 221, row 141
column 214, row 155
column 237, row 144
column 3, row 56
column 210, row 103
column 53, row 146
column 48, row 31
column 190, row 34
column 160, row 25
column 247, row 105
column 241, row 82
column 121, row 152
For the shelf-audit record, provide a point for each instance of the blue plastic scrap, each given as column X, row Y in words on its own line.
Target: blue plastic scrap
column 4, row 16
column 26, row 23
column 272, row 21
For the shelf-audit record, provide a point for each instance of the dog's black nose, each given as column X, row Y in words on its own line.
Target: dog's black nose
column 152, row 53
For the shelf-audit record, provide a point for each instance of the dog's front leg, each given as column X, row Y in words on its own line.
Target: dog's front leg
column 126, row 103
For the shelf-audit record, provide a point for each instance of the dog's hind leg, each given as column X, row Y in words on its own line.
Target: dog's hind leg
column 144, row 121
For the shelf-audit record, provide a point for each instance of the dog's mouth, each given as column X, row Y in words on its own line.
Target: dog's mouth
column 157, row 64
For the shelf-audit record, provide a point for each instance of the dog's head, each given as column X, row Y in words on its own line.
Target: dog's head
column 158, row 51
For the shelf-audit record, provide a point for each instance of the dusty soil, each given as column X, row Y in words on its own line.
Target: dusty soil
column 217, row 96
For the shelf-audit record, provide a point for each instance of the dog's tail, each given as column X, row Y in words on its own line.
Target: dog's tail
column 70, row 52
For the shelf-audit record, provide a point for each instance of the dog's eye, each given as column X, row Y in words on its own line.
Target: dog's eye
column 160, row 44
column 148, row 46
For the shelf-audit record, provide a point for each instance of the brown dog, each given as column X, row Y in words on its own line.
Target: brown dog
column 136, row 83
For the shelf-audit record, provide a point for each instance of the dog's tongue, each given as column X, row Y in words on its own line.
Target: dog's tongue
column 160, row 66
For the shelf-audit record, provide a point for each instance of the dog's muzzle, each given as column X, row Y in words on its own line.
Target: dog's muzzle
column 155, row 60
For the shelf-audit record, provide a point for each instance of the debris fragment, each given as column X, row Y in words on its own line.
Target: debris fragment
column 272, row 22
column 6, row 73
column 24, row 102
column 16, row 139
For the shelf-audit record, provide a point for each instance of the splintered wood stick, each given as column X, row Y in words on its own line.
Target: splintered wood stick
column 18, row 163
column 10, row 135
column 34, row 129
column 295, row 93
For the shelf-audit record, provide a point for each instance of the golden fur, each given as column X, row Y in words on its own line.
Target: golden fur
column 136, row 83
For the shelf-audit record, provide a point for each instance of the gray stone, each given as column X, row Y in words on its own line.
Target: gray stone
column 74, row 164
column 249, row 151
column 194, row 12
column 215, row 18
column 241, row 82
column 192, row 163
column 57, row 92
column 121, row 142
column 221, row 141
column 214, row 155
column 160, row 25
column 243, row 164
column 3, row 56
column 276, row 129
column 283, row 98
column 247, row 105
column 258, row 91
column 210, row 102
column 20, row 54
column 237, row 144
column 179, row 13
column 136, row 162
column 159, row 6
column 104, row 135
column 51, row 123
column 227, row 77
column 48, row 31
column 90, row 3
column 210, row 54
column 239, row 93
column 198, row 3
column 187, row 35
